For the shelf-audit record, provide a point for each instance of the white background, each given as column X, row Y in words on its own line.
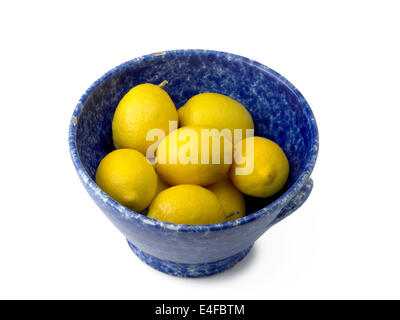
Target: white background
column 342, row 55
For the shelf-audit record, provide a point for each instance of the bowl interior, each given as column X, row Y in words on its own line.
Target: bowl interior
column 276, row 109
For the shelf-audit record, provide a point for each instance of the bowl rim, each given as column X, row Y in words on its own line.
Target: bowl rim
column 126, row 214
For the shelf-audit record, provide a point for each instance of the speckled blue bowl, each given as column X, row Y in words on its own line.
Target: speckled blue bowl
column 280, row 113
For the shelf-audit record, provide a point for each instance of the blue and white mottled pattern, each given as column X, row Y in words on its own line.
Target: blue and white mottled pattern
column 279, row 111
column 190, row 270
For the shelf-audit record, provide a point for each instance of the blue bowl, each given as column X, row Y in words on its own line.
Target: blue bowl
column 280, row 113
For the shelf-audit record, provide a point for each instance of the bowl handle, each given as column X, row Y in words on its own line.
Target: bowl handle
column 296, row 202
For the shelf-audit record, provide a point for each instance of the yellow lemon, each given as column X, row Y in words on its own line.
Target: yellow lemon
column 217, row 111
column 270, row 167
column 232, row 199
column 127, row 177
column 187, row 204
column 194, row 155
column 144, row 107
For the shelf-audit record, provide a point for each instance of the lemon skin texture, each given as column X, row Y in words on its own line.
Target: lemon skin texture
column 179, row 145
column 217, row 111
column 127, row 177
column 144, row 107
column 271, row 168
column 187, row 204
column 232, row 199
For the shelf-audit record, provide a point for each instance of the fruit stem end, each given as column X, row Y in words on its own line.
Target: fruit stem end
column 162, row 84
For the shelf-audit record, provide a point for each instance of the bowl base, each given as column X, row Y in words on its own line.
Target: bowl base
column 189, row 270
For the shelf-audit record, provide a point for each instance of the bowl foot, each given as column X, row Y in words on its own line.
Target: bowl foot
column 189, row 270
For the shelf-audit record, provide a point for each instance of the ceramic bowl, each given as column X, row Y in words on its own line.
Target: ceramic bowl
column 280, row 113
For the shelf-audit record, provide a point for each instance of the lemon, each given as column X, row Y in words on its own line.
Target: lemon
column 144, row 107
column 185, row 157
column 232, row 199
column 127, row 177
column 217, row 111
column 270, row 171
column 187, row 204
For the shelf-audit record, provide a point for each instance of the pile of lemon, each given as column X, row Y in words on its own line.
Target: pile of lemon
column 187, row 186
